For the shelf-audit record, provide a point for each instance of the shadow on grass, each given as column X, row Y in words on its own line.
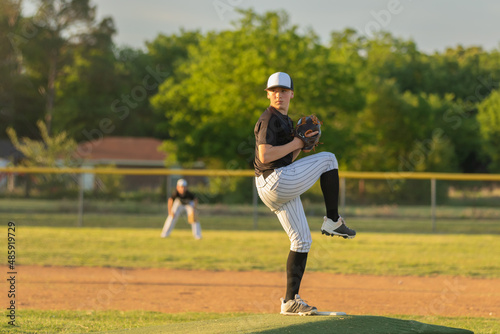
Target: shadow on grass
column 274, row 324
column 366, row 324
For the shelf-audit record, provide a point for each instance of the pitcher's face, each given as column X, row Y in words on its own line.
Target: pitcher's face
column 280, row 98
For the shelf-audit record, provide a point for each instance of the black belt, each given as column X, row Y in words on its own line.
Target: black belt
column 267, row 173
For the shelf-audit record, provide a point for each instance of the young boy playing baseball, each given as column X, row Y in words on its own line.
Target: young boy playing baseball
column 281, row 180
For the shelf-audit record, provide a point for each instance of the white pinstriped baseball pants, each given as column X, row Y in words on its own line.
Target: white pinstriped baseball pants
column 281, row 191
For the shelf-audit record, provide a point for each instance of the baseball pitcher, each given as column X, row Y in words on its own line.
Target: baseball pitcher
column 281, row 179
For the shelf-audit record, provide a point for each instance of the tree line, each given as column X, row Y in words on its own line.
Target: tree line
column 385, row 105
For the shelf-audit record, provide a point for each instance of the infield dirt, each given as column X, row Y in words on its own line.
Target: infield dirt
column 172, row 291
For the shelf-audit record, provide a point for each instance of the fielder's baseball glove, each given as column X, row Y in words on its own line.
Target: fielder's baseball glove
column 305, row 126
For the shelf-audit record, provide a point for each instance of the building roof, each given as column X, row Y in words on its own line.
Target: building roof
column 123, row 150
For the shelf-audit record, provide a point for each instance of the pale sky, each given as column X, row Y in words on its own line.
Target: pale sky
column 432, row 24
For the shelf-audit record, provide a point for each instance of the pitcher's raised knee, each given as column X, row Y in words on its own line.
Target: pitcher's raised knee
column 331, row 158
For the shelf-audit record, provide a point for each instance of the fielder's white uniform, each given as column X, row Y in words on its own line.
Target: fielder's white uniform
column 281, row 191
column 177, row 209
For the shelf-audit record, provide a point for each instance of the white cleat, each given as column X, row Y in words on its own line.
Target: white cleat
column 337, row 228
column 297, row 306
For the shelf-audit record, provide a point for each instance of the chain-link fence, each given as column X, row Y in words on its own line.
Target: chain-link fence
column 137, row 198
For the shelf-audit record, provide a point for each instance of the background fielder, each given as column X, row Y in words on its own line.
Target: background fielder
column 182, row 200
column 280, row 182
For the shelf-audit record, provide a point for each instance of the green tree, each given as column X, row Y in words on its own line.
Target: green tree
column 170, row 51
column 489, row 120
column 469, row 74
column 218, row 92
column 56, row 24
column 161, row 61
column 139, row 79
column 51, row 151
column 400, row 82
column 88, row 84
column 9, row 64
column 16, row 89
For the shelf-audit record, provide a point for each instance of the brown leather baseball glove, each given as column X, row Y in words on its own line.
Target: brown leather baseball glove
column 305, row 126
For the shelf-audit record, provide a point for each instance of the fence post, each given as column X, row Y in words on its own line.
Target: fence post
column 433, row 204
column 255, row 205
column 80, row 201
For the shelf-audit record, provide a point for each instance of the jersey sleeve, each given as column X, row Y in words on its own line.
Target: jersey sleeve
column 261, row 132
column 266, row 130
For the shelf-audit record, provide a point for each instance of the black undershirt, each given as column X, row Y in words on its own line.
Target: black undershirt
column 185, row 198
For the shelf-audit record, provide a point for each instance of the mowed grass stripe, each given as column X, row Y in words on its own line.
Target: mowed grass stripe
column 142, row 322
column 265, row 222
column 368, row 253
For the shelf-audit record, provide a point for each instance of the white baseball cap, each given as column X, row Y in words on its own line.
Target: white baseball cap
column 280, row 79
column 182, row 183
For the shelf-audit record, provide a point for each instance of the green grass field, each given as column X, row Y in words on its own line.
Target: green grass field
column 369, row 253
column 373, row 253
column 381, row 219
column 246, row 222
column 383, row 247
column 141, row 322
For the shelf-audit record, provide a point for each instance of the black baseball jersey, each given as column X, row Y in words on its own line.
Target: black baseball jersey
column 185, row 198
column 275, row 129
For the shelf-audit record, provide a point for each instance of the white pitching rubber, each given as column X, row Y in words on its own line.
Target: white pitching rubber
column 331, row 313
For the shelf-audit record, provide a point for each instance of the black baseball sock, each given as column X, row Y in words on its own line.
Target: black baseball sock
column 295, row 267
column 330, row 187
